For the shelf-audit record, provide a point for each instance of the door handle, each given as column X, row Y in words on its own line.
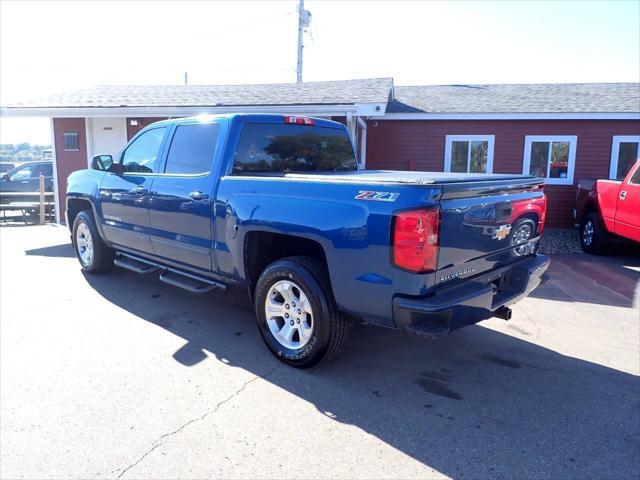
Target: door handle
column 623, row 195
column 198, row 195
column 140, row 190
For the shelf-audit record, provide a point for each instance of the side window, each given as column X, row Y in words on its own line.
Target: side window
column 636, row 177
column 192, row 148
column 625, row 152
column 142, row 155
column 71, row 141
column 23, row 174
column 44, row 169
column 469, row 153
column 550, row 157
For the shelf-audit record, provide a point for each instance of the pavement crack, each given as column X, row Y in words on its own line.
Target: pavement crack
column 533, row 322
column 167, row 436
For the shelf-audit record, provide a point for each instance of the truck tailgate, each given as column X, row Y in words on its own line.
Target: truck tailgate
column 476, row 224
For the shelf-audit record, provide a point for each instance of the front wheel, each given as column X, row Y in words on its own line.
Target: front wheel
column 93, row 254
column 297, row 314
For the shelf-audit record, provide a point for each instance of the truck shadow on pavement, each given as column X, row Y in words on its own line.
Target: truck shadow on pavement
column 612, row 279
column 477, row 403
column 60, row 251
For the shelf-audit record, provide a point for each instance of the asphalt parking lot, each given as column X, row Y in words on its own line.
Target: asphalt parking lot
column 120, row 376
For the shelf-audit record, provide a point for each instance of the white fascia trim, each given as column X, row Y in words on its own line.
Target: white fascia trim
column 325, row 110
column 615, row 150
column 371, row 109
column 510, row 116
column 56, row 185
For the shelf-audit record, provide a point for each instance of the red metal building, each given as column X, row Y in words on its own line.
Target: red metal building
column 562, row 132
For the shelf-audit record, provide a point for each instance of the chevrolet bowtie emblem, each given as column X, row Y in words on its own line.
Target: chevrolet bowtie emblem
column 501, row 232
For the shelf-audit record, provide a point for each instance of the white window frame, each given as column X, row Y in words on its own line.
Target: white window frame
column 615, row 150
column 573, row 146
column 490, row 139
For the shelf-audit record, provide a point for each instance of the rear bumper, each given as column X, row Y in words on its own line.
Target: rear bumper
column 471, row 301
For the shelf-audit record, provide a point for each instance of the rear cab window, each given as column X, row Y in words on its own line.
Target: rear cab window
column 270, row 148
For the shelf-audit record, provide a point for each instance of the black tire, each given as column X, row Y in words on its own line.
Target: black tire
column 522, row 230
column 102, row 258
column 330, row 330
column 594, row 237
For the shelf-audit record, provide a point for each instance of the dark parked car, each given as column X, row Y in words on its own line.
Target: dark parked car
column 26, row 178
column 277, row 205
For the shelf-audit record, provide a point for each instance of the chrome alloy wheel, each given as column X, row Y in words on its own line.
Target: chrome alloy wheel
column 522, row 235
column 587, row 233
column 84, row 244
column 289, row 314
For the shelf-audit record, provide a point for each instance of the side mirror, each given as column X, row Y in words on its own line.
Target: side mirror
column 101, row 162
column 5, row 176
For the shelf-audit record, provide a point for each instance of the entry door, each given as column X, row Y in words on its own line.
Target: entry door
column 181, row 201
column 108, row 135
column 125, row 196
column 628, row 206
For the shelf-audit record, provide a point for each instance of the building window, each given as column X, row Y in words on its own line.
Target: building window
column 550, row 157
column 469, row 154
column 71, row 141
column 625, row 151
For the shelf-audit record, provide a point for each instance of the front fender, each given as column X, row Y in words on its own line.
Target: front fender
column 84, row 185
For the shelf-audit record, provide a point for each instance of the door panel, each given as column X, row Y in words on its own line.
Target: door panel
column 125, row 197
column 125, row 210
column 181, row 224
column 180, row 209
column 627, row 222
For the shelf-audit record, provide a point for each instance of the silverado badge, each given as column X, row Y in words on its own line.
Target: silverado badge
column 501, row 232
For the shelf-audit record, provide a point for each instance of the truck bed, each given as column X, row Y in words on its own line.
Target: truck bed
column 399, row 177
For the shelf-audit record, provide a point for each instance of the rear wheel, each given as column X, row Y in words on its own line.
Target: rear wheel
column 593, row 235
column 297, row 314
column 522, row 231
column 93, row 254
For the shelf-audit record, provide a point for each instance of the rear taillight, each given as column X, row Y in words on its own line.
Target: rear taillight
column 299, row 120
column 415, row 240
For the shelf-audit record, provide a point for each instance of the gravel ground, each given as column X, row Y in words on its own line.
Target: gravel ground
column 560, row 240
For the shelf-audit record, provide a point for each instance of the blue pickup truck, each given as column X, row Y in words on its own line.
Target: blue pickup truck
column 277, row 205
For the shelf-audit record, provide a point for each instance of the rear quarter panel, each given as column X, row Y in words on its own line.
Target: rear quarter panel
column 354, row 234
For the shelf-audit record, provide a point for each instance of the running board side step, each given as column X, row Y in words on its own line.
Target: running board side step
column 186, row 281
column 134, row 264
column 190, row 283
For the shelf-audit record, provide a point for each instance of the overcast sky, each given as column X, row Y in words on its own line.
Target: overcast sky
column 48, row 47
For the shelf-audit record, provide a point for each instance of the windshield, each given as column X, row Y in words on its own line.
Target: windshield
column 277, row 148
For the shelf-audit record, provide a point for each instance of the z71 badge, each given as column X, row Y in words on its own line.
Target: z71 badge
column 377, row 196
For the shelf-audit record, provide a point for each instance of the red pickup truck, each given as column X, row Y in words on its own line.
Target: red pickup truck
column 607, row 208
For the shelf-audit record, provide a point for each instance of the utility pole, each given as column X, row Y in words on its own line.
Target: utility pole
column 304, row 19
